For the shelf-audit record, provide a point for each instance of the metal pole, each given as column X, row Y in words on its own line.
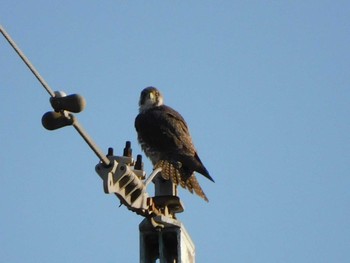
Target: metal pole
column 170, row 244
column 91, row 143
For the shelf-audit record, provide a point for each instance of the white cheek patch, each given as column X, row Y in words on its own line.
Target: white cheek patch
column 160, row 101
column 151, row 96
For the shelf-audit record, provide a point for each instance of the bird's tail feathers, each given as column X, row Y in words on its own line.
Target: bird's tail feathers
column 192, row 184
column 174, row 172
column 171, row 172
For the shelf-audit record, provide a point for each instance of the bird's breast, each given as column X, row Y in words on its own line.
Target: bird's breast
column 150, row 152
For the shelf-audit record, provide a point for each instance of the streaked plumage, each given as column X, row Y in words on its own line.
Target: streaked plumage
column 165, row 139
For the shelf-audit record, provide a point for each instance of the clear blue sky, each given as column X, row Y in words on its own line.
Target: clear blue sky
column 263, row 85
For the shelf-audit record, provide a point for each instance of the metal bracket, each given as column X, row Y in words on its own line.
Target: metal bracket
column 119, row 178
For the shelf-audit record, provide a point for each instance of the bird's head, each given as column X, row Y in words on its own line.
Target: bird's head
column 150, row 97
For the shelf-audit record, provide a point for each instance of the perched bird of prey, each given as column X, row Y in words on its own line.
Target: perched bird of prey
column 164, row 137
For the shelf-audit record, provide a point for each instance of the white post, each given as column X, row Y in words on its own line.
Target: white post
column 170, row 243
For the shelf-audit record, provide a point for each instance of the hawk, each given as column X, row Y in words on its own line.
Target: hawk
column 164, row 137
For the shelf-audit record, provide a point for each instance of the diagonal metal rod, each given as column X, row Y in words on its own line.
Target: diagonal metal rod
column 76, row 124
column 91, row 143
column 27, row 62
